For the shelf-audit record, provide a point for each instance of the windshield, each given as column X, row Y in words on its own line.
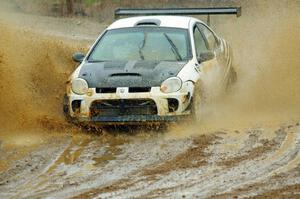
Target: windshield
column 142, row 43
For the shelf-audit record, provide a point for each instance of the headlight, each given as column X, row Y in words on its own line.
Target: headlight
column 170, row 85
column 79, row 86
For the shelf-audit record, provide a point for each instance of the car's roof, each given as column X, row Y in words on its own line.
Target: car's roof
column 164, row 21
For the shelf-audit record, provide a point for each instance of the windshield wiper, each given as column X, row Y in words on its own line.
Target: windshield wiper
column 142, row 46
column 174, row 48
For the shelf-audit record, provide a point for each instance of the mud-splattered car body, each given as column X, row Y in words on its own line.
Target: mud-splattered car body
column 112, row 87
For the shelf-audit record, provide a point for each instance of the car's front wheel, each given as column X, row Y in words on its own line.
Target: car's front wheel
column 232, row 78
column 197, row 103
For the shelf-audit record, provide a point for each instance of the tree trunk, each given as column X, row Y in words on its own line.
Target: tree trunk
column 62, row 7
column 69, row 7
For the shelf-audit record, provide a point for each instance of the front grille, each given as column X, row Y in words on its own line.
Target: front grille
column 123, row 107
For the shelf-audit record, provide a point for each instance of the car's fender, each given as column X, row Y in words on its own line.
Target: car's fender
column 189, row 72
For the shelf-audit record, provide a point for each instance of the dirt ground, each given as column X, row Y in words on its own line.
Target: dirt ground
column 247, row 147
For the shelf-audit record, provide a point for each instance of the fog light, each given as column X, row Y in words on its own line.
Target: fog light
column 76, row 106
column 173, row 104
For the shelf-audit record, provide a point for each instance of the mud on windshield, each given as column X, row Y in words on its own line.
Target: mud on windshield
column 142, row 43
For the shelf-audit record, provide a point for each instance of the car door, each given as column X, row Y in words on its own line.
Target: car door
column 212, row 70
column 201, row 46
column 215, row 45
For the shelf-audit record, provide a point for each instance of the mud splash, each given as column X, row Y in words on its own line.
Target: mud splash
column 33, row 73
column 266, row 46
column 33, row 69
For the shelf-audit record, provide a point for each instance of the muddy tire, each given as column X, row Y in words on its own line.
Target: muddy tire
column 197, row 103
column 66, row 111
column 232, row 78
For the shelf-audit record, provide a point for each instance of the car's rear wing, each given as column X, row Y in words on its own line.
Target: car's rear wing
column 178, row 11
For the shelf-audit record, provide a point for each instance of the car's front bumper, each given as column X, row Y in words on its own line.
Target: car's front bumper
column 83, row 114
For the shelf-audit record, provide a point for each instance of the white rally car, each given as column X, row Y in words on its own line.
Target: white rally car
column 147, row 69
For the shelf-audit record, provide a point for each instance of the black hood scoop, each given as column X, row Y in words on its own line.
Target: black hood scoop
column 129, row 74
column 125, row 74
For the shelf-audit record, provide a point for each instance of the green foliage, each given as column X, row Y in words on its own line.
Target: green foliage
column 91, row 2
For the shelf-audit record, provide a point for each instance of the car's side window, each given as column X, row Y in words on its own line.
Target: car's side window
column 200, row 43
column 210, row 37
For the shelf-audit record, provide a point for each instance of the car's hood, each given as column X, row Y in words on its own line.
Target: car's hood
column 129, row 74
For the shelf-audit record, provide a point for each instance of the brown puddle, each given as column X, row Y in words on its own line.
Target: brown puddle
column 72, row 152
column 111, row 150
column 79, row 143
column 16, row 145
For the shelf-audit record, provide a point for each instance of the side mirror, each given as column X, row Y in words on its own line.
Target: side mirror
column 78, row 57
column 206, row 56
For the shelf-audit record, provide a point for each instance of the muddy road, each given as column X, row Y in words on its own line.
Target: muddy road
column 248, row 146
